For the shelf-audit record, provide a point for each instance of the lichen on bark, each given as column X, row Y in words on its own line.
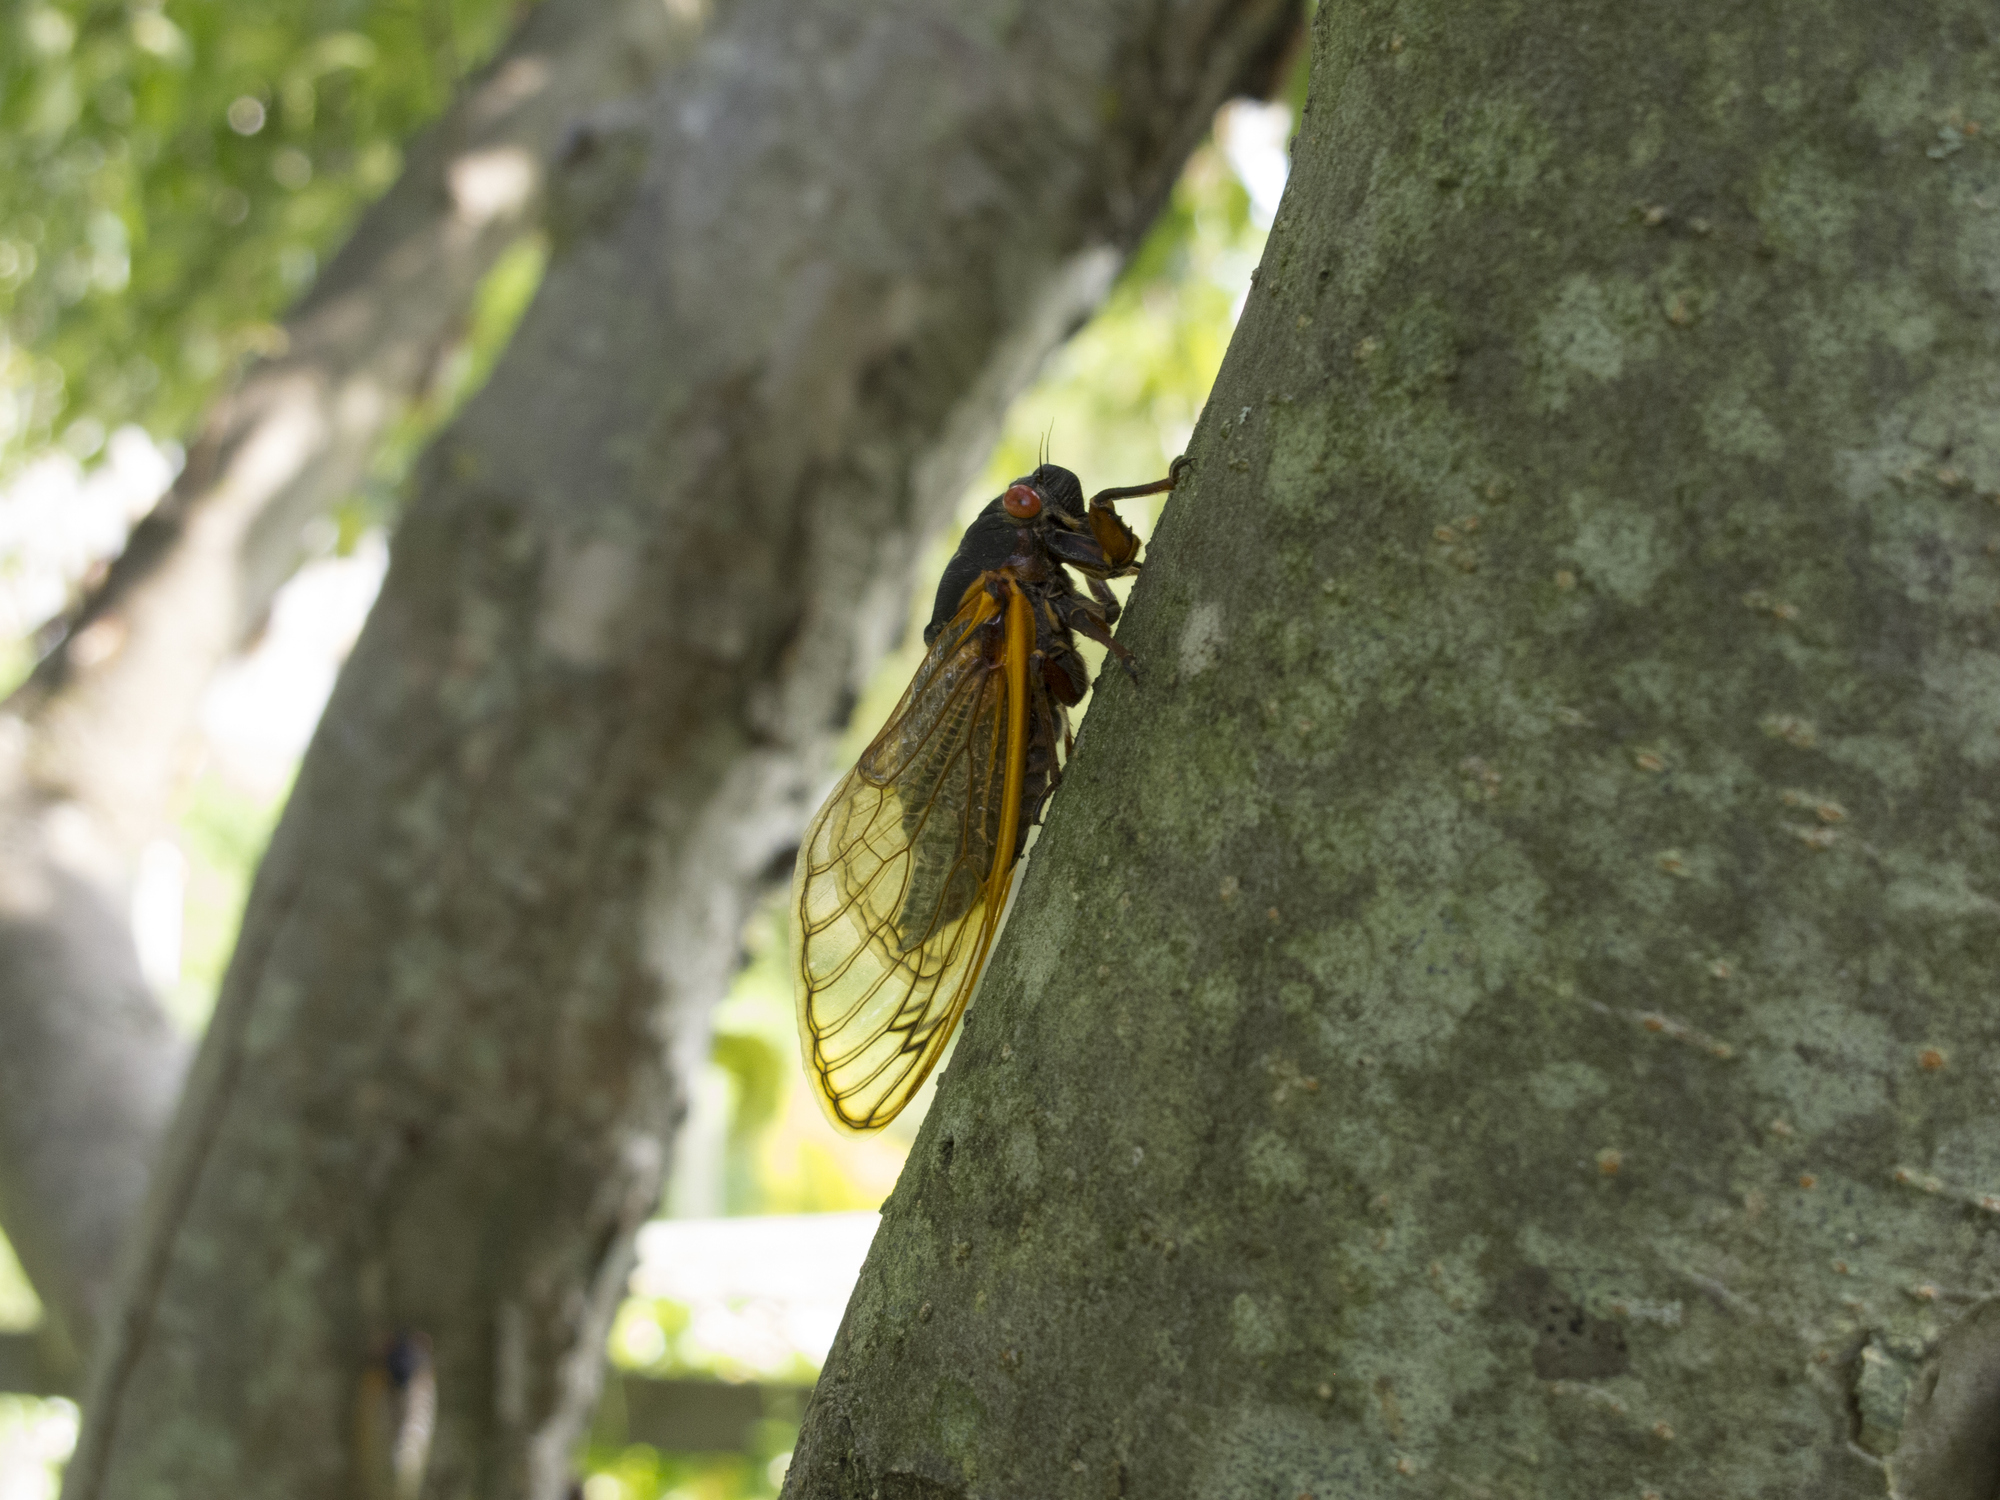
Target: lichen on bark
column 1503, row 1007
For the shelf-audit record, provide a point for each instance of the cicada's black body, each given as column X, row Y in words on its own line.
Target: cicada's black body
column 904, row 872
column 1029, row 537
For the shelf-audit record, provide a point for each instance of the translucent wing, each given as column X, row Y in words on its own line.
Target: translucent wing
column 902, row 875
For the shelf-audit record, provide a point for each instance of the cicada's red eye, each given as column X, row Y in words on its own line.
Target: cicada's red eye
column 1022, row 501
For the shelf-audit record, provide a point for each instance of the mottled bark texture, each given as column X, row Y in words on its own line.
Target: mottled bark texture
column 92, row 748
column 1504, row 1007
column 630, row 601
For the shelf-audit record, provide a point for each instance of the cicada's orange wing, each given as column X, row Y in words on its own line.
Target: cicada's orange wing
column 903, row 874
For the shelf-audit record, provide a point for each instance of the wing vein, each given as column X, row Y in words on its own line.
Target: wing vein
column 902, row 875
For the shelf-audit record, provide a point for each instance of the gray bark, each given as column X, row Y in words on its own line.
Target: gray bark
column 636, row 588
column 1504, row 1007
column 92, row 747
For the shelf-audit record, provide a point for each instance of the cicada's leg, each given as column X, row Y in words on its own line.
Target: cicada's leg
column 1061, row 672
column 1044, row 768
column 1087, row 622
column 1041, row 807
column 1133, row 491
column 1104, row 596
column 1119, row 543
column 1080, row 550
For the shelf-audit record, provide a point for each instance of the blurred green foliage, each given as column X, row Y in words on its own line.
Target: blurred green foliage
column 223, row 830
column 20, row 1309
column 172, row 173
column 642, row 1472
column 654, row 1336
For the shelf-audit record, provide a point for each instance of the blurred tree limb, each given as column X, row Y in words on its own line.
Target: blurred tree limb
column 673, row 1413
column 1505, row 1006
column 92, row 745
column 630, row 601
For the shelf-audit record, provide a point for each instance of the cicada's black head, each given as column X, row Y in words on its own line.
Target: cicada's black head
column 1048, row 502
column 1052, row 493
column 1061, row 488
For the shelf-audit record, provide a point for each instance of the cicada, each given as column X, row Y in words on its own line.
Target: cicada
column 903, row 875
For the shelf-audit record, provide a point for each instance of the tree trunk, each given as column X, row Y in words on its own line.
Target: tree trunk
column 1503, row 1007
column 629, row 603
column 95, row 742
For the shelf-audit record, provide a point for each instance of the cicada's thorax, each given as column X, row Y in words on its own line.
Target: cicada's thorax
column 1004, row 552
